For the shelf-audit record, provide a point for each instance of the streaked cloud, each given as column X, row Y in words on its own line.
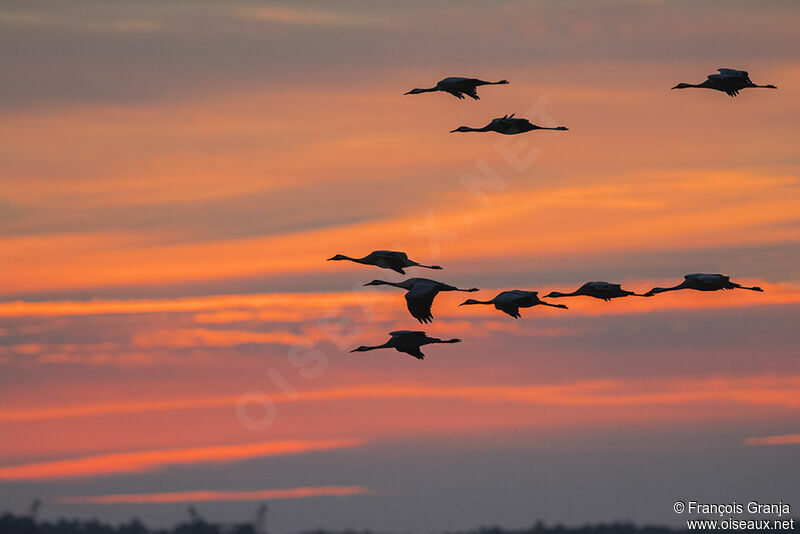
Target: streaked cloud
column 754, row 391
column 788, row 439
column 200, row 337
column 681, row 222
column 289, row 14
column 32, row 19
column 150, row 460
column 212, row 495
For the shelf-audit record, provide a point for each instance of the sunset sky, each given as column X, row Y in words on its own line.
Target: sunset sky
column 173, row 176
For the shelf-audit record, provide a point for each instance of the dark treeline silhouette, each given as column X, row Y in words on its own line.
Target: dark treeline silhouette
column 28, row 524
column 25, row 524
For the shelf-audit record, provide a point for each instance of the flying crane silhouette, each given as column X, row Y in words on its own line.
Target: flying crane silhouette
column 511, row 301
column 598, row 290
column 457, row 86
column 507, row 125
column 420, row 293
column 408, row 341
column 729, row 81
column 702, row 282
column 386, row 259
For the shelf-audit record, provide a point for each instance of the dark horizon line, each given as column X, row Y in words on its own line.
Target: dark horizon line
column 25, row 524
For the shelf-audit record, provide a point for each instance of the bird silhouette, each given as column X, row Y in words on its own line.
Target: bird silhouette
column 702, row 282
column 507, row 125
column 729, row 81
column 457, row 86
column 386, row 259
column 408, row 341
column 598, row 290
column 420, row 293
column 511, row 301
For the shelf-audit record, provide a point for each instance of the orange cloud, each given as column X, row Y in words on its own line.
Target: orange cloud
column 656, row 212
column 284, row 301
column 203, row 496
column 789, row 439
column 90, row 410
column 200, row 337
column 631, row 392
column 141, row 461
column 755, row 391
column 116, row 359
column 311, row 17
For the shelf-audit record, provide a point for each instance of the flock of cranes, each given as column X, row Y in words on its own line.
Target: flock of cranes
column 421, row 292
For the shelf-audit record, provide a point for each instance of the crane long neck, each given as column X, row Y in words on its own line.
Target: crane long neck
column 357, row 260
column 558, row 294
column 655, row 290
column 340, row 257
column 684, row 85
column 395, row 284
column 374, row 347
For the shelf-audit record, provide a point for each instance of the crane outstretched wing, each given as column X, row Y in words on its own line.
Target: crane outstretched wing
column 419, row 300
column 719, row 279
column 735, row 73
column 608, row 291
column 389, row 253
column 390, row 259
column 510, row 301
column 409, row 333
column 417, row 353
column 714, row 281
column 459, row 87
column 409, row 341
column 472, row 92
column 508, row 308
column 512, row 295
